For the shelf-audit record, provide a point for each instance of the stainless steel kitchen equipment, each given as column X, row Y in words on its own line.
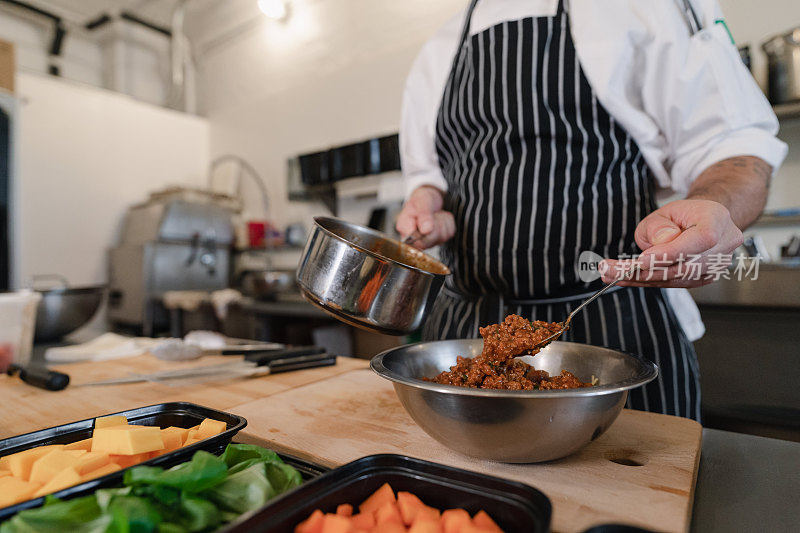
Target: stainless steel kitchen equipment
column 783, row 59
column 367, row 279
column 63, row 309
column 177, row 240
column 267, row 284
column 513, row 426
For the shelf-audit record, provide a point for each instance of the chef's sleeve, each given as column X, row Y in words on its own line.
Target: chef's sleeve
column 418, row 157
column 705, row 102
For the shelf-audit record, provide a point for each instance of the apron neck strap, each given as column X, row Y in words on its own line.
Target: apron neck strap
column 467, row 22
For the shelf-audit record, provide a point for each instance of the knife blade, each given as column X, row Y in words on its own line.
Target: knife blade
column 266, row 364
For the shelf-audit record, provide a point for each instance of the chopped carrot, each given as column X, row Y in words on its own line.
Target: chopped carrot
column 389, row 527
column 381, row 512
column 313, row 524
column 333, row 523
column 388, row 512
column 363, row 521
column 425, row 526
column 345, row 509
column 484, row 521
column 453, row 520
column 427, row 514
column 383, row 495
column 409, row 506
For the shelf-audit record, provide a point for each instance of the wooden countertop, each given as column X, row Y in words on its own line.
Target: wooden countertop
column 25, row 408
column 332, row 415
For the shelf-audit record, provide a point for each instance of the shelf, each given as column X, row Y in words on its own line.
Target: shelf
column 771, row 219
column 787, row 111
column 280, row 248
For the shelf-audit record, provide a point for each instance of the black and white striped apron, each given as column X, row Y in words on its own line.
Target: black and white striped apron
column 537, row 172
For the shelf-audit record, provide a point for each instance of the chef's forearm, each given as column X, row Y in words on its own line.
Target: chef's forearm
column 739, row 183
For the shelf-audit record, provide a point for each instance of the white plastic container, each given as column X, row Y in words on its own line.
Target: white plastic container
column 17, row 325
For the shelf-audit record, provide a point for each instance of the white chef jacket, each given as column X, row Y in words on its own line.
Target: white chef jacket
column 687, row 100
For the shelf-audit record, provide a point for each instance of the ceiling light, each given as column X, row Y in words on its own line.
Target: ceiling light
column 274, row 9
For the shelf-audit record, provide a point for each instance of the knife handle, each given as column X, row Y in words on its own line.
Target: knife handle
column 41, row 377
column 265, row 358
column 288, row 364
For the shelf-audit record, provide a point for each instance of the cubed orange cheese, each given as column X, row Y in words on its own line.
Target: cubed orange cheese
column 127, row 440
column 4, row 473
column 124, row 461
column 66, row 478
column 85, row 445
column 14, row 490
column 20, row 463
column 178, row 431
column 210, row 427
column 48, row 466
column 173, row 439
column 191, row 434
column 110, row 421
column 100, row 472
column 75, row 453
column 91, row 461
column 190, row 442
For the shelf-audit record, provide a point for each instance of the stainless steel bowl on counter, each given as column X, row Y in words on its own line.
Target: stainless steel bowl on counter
column 513, row 426
column 267, row 284
column 63, row 309
column 366, row 278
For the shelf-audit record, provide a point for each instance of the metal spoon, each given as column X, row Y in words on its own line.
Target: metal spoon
column 565, row 324
column 413, row 237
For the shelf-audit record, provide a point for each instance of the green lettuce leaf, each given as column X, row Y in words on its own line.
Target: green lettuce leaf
column 81, row 515
column 203, row 471
column 198, row 514
column 235, row 454
column 133, row 514
column 104, row 496
column 242, row 491
column 282, row 476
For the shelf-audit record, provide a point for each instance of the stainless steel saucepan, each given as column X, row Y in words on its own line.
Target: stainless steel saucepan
column 367, row 279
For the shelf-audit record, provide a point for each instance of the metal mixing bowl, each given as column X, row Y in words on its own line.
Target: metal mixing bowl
column 514, row 426
column 368, row 279
column 63, row 310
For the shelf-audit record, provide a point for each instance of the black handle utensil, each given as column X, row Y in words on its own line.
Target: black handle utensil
column 40, row 377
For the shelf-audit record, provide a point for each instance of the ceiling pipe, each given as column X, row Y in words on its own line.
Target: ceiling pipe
column 176, row 97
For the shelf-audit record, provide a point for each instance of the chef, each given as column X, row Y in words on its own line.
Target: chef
column 537, row 130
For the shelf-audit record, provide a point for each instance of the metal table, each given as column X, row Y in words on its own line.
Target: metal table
column 747, row 483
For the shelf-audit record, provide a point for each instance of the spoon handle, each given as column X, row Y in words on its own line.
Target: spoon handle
column 626, row 276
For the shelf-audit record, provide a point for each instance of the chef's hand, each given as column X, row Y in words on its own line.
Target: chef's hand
column 423, row 213
column 675, row 233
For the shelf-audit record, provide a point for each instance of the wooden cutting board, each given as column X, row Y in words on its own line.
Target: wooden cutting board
column 642, row 471
column 42, row 408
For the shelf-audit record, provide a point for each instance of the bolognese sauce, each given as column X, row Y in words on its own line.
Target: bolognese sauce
column 496, row 368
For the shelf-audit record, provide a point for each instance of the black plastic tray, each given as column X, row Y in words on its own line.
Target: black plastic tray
column 179, row 414
column 514, row 506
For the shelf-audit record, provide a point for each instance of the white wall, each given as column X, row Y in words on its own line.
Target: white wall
column 333, row 73
column 84, row 155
